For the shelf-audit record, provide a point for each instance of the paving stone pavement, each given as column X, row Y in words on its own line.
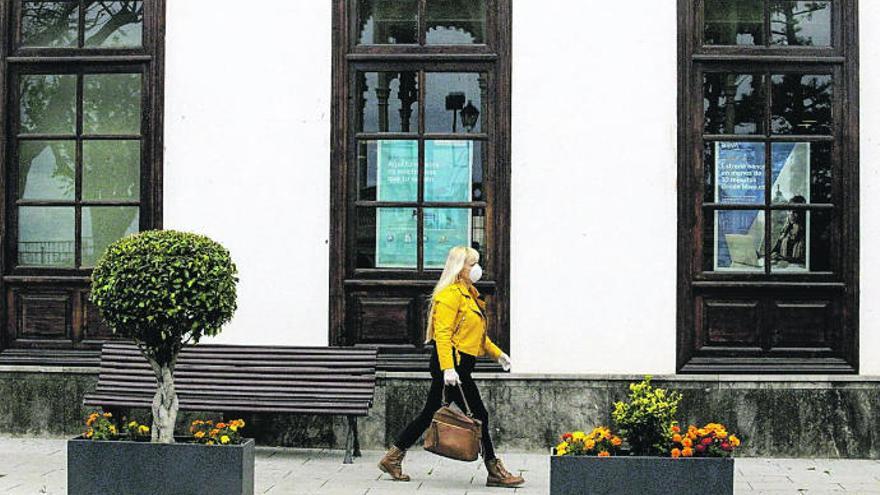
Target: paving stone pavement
column 39, row 466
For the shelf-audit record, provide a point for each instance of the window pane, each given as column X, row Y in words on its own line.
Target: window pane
column 111, row 170
column 454, row 102
column 112, row 104
column 802, row 173
column 389, row 101
column 456, row 22
column 446, row 228
column 734, row 241
column 453, row 171
column 734, row 172
column 114, row 24
column 734, row 22
column 101, row 225
column 46, row 169
column 395, row 169
column 800, row 240
column 800, row 23
column 386, row 238
column 388, row 22
column 49, row 24
column 48, row 104
column 801, row 104
column 46, row 236
column 733, row 103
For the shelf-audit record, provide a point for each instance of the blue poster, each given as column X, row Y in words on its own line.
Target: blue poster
column 740, row 179
column 448, row 167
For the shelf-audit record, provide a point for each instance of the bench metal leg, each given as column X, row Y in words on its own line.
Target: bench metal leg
column 353, row 424
column 349, row 442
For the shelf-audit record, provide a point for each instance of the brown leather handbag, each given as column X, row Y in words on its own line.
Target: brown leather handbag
column 453, row 433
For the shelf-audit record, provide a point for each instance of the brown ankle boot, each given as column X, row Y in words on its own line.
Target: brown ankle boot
column 392, row 463
column 500, row 477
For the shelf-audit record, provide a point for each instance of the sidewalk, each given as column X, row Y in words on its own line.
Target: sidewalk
column 38, row 466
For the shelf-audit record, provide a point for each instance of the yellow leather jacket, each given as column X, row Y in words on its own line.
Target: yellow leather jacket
column 458, row 306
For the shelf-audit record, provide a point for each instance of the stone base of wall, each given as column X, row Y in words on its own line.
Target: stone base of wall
column 780, row 416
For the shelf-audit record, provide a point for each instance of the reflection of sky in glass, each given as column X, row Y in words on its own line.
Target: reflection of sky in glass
column 815, row 27
column 441, row 84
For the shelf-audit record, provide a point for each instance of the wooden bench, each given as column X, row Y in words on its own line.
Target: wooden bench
column 337, row 381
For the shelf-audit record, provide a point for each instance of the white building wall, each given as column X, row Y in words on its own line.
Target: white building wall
column 247, row 162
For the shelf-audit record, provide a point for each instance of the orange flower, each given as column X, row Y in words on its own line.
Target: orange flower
column 687, row 452
column 676, row 429
column 734, row 441
column 616, row 441
column 675, row 453
column 687, row 442
column 604, row 453
column 199, row 434
column 221, row 425
column 676, row 438
column 214, row 432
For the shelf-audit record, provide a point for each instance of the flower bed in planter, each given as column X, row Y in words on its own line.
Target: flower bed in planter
column 652, row 455
column 124, row 467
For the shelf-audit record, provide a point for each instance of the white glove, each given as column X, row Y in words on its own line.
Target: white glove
column 504, row 361
column 450, row 377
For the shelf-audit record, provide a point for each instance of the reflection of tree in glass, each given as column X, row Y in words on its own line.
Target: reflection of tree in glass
column 801, row 104
column 104, row 19
column 47, row 107
column 383, row 21
column 49, row 24
column 787, row 19
column 112, row 104
column 733, row 103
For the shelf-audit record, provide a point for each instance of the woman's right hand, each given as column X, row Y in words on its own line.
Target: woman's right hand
column 450, row 377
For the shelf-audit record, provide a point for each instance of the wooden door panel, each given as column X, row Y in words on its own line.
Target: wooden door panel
column 803, row 324
column 731, row 322
column 384, row 320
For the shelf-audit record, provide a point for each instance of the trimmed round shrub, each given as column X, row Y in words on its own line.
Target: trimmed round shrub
column 163, row 288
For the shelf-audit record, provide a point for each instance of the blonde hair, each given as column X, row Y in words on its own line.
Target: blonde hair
column 455, row 262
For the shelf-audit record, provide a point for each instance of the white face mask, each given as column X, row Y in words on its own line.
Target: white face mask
column 476, row 273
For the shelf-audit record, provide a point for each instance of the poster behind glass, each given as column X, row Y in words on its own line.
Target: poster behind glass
column 447, row 178
column 740, row 179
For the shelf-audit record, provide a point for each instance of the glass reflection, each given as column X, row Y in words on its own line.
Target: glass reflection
column 456, row 22
column 801, row 104
column 733, row 103
column 445, row 228
column 389, row 101
column 48, row 104
column 382, row 22
column 734, row 22
column 102, row 225
column 453, row 171
column 801, row 173
column 49, row 24
column 112, row 104
column 454, row 102
column 46, row 236
column 800, row 23
column 734, row 241
column 46, row 169
column 114, row 24
column 386, row 238
column 111, row 170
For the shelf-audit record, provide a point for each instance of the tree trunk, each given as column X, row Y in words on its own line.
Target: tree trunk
column 164, row 404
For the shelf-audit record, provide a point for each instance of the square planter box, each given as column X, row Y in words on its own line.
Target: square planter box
column 575, row 475
column 136, row 468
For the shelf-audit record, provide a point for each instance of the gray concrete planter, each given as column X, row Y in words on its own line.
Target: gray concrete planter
column 575, row 475
column 124, row 467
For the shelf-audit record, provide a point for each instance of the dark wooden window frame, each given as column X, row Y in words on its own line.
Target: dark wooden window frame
column 841, row 60
column 71, row 284
column 493, row 58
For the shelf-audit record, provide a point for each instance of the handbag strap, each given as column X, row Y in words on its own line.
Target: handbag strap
column 444, row 402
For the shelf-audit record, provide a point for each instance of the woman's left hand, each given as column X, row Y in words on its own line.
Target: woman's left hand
column 504, row 361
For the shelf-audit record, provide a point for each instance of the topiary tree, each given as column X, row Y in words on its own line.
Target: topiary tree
column 165, row 289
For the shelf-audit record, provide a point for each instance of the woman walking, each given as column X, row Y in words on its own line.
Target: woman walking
column 457, row 325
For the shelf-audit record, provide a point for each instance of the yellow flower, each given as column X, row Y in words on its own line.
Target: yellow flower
column 562, row 448
column 112, row 429
column 721, row 434
column 224, row 439
column 107, row 415
column 734, row 441
column 199, row 434
column 233, row 427
column 89, row 433
column 589, row 444
column 578, row 435
column 144, row 429
column 132, row 424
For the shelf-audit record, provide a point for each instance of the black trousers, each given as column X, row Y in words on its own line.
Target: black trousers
column 416, row 427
